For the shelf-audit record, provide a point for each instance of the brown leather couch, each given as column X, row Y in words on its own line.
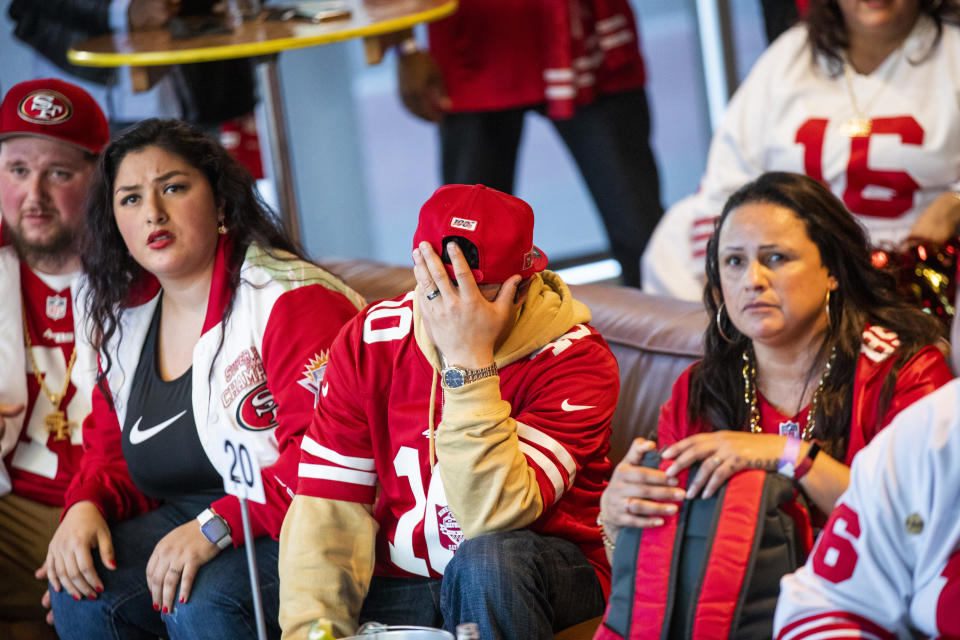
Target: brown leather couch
column 653, row 338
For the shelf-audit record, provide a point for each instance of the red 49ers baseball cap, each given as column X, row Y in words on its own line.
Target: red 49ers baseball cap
column 54, row 109
column 498, row 224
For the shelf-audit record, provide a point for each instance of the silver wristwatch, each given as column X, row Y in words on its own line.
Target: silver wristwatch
column 454, row 377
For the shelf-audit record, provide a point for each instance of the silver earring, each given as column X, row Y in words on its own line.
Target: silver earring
column 723, row 305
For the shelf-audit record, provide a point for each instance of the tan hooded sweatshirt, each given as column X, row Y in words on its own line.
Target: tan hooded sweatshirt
column 327, row 546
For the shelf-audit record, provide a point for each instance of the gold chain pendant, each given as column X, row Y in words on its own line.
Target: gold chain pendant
column 57, row 424
column 856, row 128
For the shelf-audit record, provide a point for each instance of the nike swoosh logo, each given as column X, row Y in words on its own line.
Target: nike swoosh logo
column 325, row 388
column 566, row 406
column 138, row 435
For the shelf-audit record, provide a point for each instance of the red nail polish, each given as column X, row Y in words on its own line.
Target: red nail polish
column 99, row 589
column 165, row 610
column 156, row 607
column 182, row 600
column 76, row 597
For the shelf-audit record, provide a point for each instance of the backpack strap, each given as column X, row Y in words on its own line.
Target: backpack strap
column 644, row 564
column 730, row 555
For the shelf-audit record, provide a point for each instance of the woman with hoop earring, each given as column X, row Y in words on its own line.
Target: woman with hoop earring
column 810, row 353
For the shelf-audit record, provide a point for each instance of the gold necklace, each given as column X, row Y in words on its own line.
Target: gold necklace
column 750, row 394
column 861, row 125
column 55, row 421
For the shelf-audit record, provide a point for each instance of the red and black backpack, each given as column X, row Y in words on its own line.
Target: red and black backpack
column 713, row 570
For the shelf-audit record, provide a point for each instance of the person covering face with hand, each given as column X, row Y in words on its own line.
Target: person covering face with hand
column 50, row 134
column 453, row 469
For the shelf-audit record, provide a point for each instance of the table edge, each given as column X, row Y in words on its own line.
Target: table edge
column 226, row 52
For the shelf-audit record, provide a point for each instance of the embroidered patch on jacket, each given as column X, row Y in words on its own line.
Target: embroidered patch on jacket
column 257, row 411
column 244, row 372
column 878, row 343
column 313, row 375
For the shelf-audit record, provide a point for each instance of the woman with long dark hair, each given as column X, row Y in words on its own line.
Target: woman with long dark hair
column 861, row 96
column 810, row 353
column 208, row 319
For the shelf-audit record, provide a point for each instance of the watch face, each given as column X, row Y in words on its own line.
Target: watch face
column 214, row 529
column 453, row 377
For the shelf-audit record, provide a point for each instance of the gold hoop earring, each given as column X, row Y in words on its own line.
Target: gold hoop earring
column 827, row 307
column 222, row 228
column 723, row 305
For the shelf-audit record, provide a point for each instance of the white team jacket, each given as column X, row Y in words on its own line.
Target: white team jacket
column 263, row 381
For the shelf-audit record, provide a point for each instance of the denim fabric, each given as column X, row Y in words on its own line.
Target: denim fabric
column 514, row 585
column 220, row 606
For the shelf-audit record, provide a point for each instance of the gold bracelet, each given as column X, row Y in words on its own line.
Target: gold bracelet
column 607, row 542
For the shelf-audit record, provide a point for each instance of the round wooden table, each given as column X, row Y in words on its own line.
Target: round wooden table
column 264, row 40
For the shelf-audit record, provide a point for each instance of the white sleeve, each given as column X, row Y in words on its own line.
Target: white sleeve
column 862, row 574
column 673, row 263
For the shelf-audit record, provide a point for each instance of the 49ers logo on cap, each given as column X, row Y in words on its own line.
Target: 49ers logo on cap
column 45, row 107
column 257, row 410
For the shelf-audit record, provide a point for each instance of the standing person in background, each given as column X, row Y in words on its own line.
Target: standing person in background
column 862, row 97
column 209, row 318
column 578, row 63
column 50, row 135
column 205, row 94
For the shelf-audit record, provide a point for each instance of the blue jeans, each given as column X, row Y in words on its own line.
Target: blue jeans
column 220, row 605
column 514, row 585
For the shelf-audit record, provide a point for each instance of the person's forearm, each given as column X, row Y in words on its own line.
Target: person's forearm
column 327, row 553
column 486, row 478
column 825, row 481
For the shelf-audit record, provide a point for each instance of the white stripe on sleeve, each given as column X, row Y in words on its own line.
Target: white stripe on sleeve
column 338, row 474
column 560, row 92
column 558, row 75
column 314, row 448
column 537, row 437
column 547, row 466
column 618, row 39
column 612, row 23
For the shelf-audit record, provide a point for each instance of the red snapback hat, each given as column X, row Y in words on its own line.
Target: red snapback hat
column 54, row 109
column 500, row 225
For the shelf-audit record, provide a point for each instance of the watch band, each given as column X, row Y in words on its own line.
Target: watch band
column 454, row 377
column 479, row 374
column 807, row 461
column 788, row 460
column 214, row 528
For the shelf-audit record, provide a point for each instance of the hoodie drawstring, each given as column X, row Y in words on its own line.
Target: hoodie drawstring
column 432, row 415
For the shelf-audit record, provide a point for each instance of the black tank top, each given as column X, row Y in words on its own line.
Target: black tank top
column 160, row 442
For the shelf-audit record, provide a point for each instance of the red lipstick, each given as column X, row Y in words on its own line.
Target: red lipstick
column 159, row 239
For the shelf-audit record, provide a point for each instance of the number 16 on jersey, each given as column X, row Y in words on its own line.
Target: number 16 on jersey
column 239, row 467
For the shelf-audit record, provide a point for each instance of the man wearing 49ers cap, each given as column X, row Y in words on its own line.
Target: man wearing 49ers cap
column 50, row 134
column 453, row 470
